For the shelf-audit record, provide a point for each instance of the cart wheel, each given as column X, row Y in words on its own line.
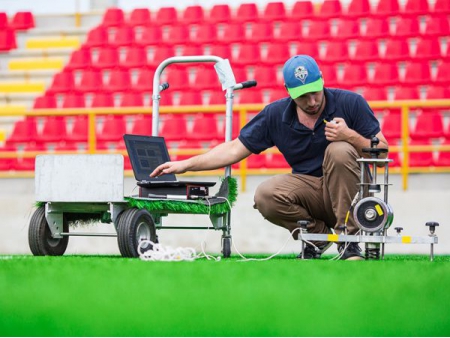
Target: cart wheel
column 226, row 247
column 133, row 226
column 40, row 237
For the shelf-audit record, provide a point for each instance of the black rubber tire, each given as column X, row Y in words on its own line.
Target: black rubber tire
column 226, row 247
column 133, row 226
column 40, row 237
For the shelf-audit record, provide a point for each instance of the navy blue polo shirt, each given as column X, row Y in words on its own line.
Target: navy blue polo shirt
column 304, row 149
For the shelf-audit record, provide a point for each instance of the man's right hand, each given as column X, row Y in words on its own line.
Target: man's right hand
column 177, row 167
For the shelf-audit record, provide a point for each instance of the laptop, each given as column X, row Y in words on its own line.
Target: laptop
column 148, row 152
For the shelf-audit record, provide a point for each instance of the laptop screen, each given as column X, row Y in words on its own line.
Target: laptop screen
column 146, row 153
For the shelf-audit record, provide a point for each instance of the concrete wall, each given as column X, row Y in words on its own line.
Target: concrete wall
column 427, row 199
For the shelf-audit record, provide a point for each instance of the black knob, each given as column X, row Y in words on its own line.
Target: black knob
column 432, row 225
column 398, row 229
column 303, row 224
column 374, row 142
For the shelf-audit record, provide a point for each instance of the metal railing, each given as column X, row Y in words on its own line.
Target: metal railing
column 243, row 171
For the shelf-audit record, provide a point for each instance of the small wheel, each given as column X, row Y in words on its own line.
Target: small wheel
column 133, row 226
column 226, row 247
column 40, row 237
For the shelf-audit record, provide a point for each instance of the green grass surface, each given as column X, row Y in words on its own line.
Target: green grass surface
column 113, row 296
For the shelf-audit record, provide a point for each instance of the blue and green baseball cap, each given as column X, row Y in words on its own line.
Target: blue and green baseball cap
column 302, row 75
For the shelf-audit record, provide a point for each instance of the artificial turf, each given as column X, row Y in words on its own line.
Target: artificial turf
column 114, row 296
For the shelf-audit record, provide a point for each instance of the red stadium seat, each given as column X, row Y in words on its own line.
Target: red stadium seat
column 174, row 128
column 142, row 125
column 123, row 37
column 150, row 36
column 416, row 7
column 428, row 125
column 376, row 28
column 354, row 75
column 166, row 16
column 265, row 76
column 336, row 51
column 277, row 53
column 347, row 29
column 119, row 81
column 442, row 73
column 416, row 73
column 443, row 157
column 222, row 50
column 385, row 74
column 248, row 54
column 396, row 50
column 73, row 100
column 185, row 145
column 261, row 32
column 24, row 131
column 113, row 17
column 3, row 20
column 206, row 34
column 207, row 78
column 7, row 39
column 387, row 8
column 79, row 59
column 437, row 25
column 371, row 93
column 219, row 13
column 250, row 96
column 91, row 81
column 144, row 80
column 135, row 57
column 22, row 21
column 406, row 93
column 330, row 9
column 359, row 9
column 178, row 35
column 257, row 161
column 102, row 99
column 301, row 10
column 276, row 161
column 329, row 75
column 53, row 130
column 97, row 37
column 407, row 27
column 247, row 12
column 366, row 50
column 160, row 54
column 204, row 128
column 108, row 58
column 289, row 31
column 391, row 126
column 45, row 102
column 309, row 48
column 436, row 92
column 318, row 30
column 422, row 158
column 62, row 82
column 139, row 17
column 428, row 49
column 131, row 99
column 274, row 11
column 79, row 131
column 112, row 130
column 28, row 163
column 193, row 14
column 7, row 163
column 441, row 7
column 178, row 79
column 233, row 33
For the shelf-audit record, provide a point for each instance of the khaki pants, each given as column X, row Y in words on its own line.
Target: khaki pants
column 324, row 201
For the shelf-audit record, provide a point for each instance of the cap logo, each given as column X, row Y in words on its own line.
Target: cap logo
column 301, row 73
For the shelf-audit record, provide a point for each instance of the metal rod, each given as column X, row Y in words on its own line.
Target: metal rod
column 88, row 234
column 431, row 252
column 386, row 181
column 189, row 228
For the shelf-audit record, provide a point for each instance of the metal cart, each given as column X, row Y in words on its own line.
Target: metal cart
column 86, row 188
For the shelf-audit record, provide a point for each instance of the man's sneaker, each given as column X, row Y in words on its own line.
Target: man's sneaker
column 350, row 251
column 311, row 252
